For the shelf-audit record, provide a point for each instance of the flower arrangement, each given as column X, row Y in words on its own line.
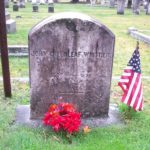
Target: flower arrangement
column 63, row 117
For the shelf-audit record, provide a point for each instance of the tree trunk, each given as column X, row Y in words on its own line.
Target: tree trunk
column 120, row 7
column 136, row 6
column 148, row 9
column 129, row 4
column 75, row 1
column 111, row 3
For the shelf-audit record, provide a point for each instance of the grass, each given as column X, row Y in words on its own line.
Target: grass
column 146, row 32
column 119, row 25
column 134, row 134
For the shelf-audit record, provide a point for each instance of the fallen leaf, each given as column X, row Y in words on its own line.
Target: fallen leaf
column 86, row 129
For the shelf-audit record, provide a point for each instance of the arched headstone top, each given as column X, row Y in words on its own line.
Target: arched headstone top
column 69, row 16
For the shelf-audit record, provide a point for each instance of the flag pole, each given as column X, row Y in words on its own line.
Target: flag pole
column 131, row 84
column 137, row 45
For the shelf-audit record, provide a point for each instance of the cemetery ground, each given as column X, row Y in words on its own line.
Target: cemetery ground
column 132, row 134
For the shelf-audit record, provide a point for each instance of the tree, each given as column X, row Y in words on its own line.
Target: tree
column 120, row 7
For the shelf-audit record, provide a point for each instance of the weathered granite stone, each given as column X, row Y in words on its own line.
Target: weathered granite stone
column 6, row 3
column 22, row 3
column 23, row 118
column 10, row 23
column 112, row 3
column 71, row 55
column 7, row 15
column 15, row 6
column 120, row 7
column 148, row 9
column 140, row 36
column 50, row 6
column 11, row 26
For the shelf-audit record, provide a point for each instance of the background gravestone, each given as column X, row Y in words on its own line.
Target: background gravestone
column 10, row 23
column 22, row 3
column 71, row 55
column 6, row 3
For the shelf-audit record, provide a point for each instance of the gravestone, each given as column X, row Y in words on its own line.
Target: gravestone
column 120, row 7
column 10, row 23
column 21, row 3
column 50, row 6
column 6, row 3
column 15, row 6
column 35, row 7
column 148, row 9
column 7, row 15
column 42, row 2
column 111, row 3
column 71, row 56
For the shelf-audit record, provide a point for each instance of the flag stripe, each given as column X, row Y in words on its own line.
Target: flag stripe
column 122, row 86
column 124, row 80
column 137, row 99
column 128, row 67
column 126, row 74
column 137, row 91
column 126, row 97
column 133, row 90
column 140, row 103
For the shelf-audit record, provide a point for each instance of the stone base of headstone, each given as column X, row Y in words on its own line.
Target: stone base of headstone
column 23, row 118
column 11, row 26
column 35, row 8
column 50, row 9
column 15, row 7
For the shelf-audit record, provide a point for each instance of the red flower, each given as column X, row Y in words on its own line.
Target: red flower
column 66, row 108
column 63, row 117
column 52, row 108
column 55, row 122
column 46, row 119
column 71, row 122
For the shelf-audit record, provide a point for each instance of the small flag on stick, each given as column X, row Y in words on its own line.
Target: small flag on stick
column 131, row 83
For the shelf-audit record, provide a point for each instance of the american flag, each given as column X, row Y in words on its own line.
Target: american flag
column 131, row 83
